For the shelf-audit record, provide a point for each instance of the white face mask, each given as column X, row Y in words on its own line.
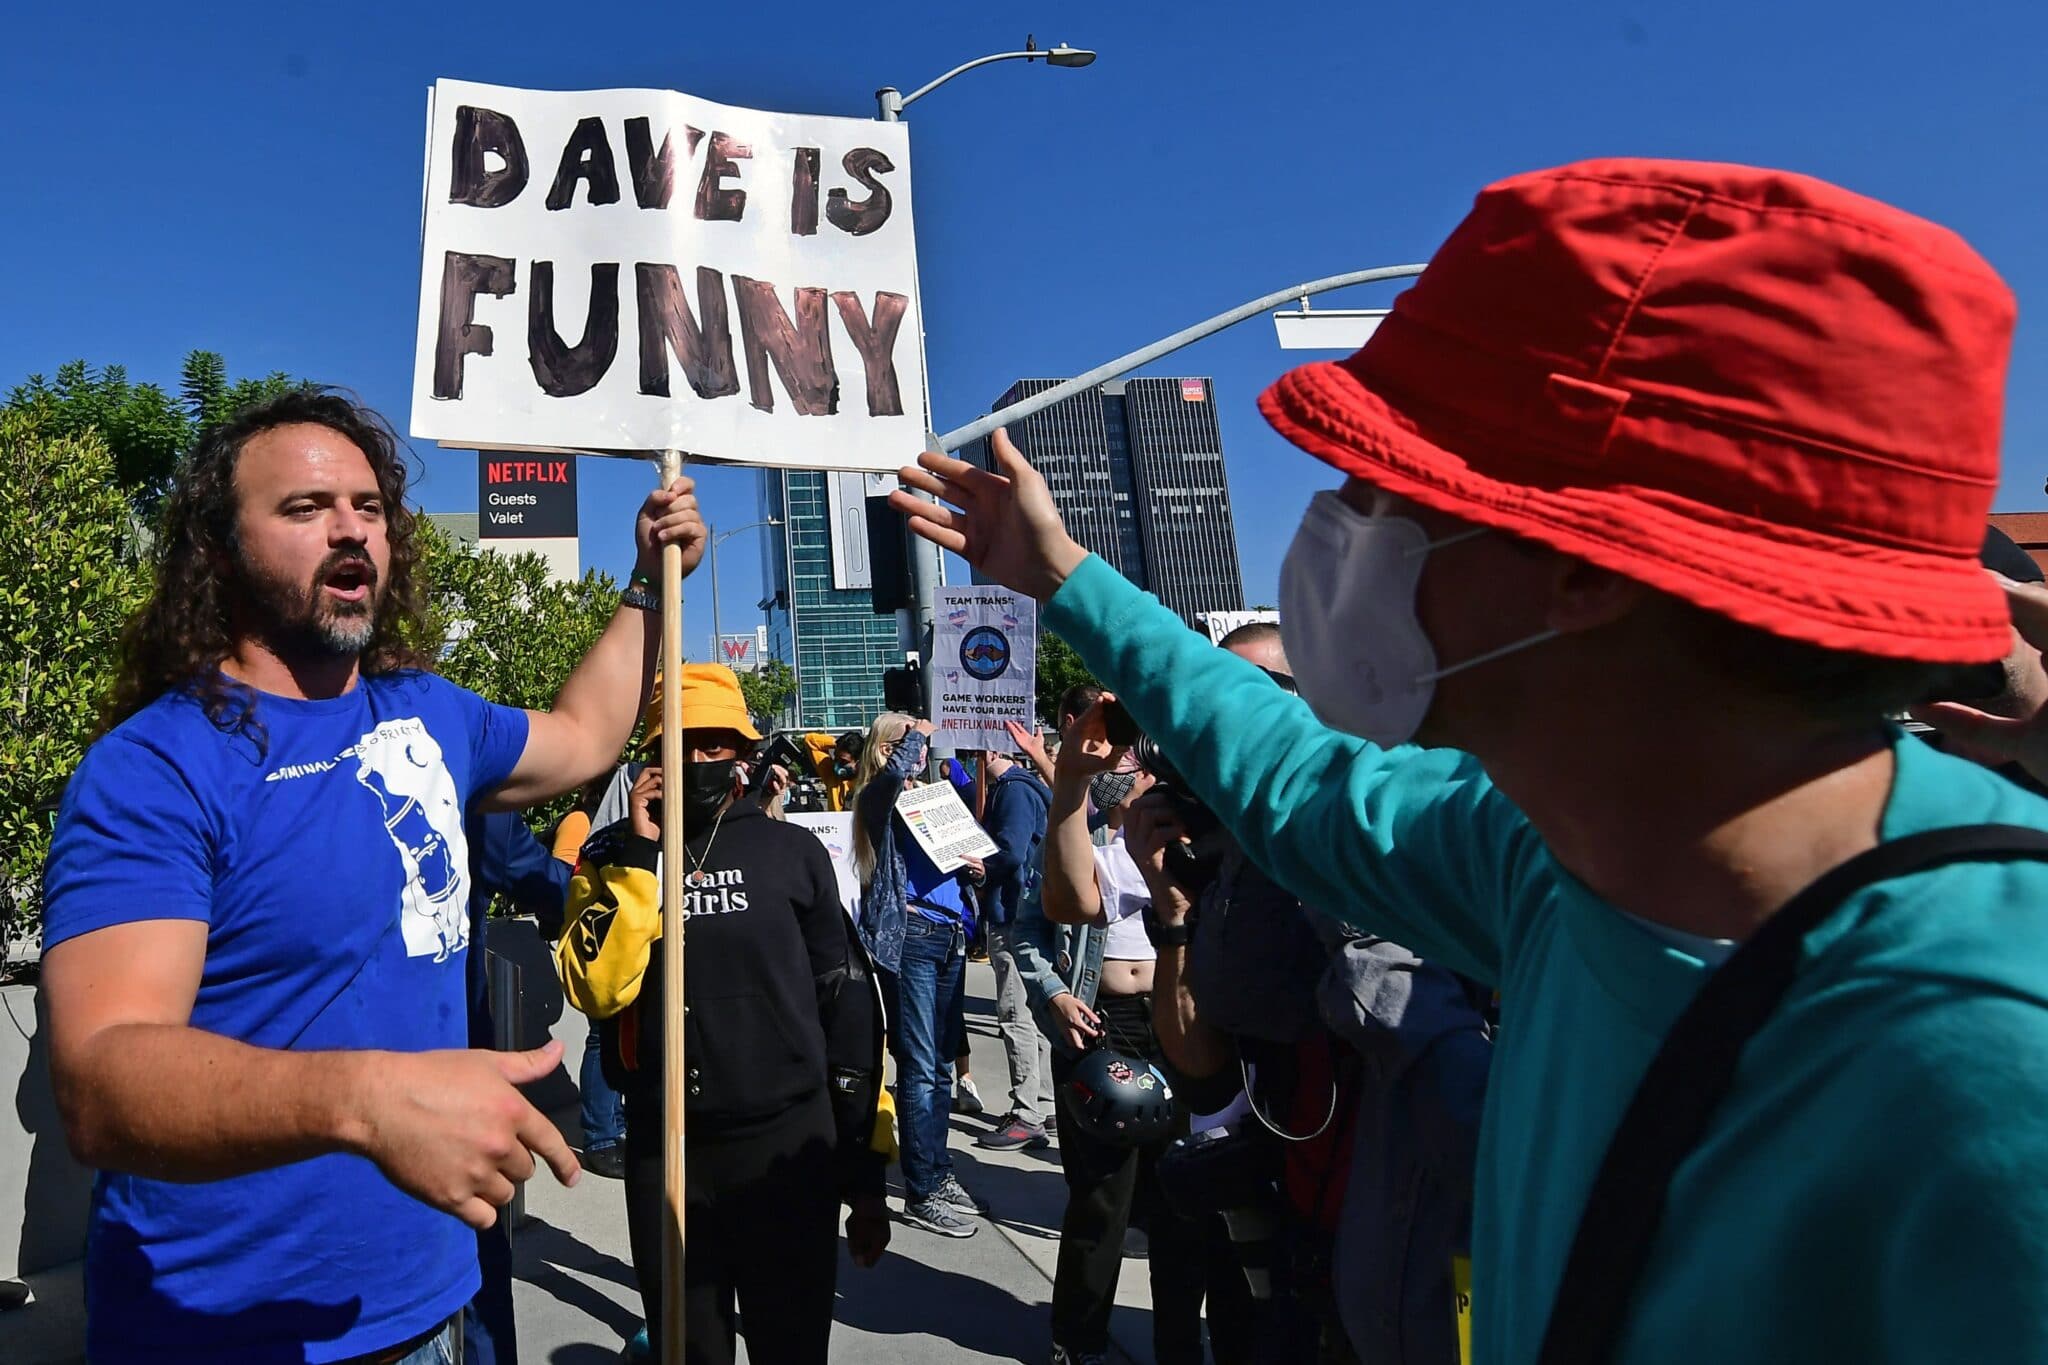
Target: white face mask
column 1348, row 622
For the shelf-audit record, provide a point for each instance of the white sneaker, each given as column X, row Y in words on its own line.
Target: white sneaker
column 967, row 1097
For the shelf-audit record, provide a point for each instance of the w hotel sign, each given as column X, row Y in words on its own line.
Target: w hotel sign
column 526, row 504
column 740, row 653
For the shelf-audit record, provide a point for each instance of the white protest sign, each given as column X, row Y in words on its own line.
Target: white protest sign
column 985, row 665
column 632, row 270
column 940, row 822
column 835, row 831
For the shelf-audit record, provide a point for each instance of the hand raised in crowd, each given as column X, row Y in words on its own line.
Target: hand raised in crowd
column 1003, row 523
column 925, row 728
column 1076, row 1020
column 2014, row 729
column 867, row 1231
column 450, row 1130
column 1150, row 828
column 670, row 516
column 1031, row 744
column 1085, row 747
column 640, row 801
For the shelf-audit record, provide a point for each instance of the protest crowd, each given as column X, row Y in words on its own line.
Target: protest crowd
column 1590, row 926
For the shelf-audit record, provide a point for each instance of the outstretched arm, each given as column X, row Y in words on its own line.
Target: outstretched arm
column 141, row 1090
column 594, row 713
column 1414, row 844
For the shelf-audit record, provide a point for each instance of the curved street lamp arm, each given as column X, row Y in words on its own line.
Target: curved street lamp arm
column 974, row 431
column 930, row 86
column 724, row 536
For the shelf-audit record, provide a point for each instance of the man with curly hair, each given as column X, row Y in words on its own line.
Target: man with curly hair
column 254, row 935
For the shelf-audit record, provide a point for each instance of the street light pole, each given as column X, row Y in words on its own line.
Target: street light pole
column 925, row 566
column 713, row 536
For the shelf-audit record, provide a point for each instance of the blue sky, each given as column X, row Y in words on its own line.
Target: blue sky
column 246, row 177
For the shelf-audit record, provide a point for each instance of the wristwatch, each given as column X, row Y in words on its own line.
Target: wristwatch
column 1166, row 935
column 640, row 594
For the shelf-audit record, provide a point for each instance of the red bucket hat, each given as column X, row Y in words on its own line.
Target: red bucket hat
column 1753, row 390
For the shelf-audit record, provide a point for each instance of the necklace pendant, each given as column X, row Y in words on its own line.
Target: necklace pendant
column 697, row 879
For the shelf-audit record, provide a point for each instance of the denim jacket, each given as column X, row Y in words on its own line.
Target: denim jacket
column 883, row 900
column 1052, row 958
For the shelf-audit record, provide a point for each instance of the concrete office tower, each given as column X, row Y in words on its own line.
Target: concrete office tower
column 1136, row 468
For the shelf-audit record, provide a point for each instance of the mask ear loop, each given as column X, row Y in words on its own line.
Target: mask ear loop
column 1490, row 655
column 1447, row 541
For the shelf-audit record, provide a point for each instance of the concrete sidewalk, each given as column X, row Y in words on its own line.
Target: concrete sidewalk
column 985, row 1298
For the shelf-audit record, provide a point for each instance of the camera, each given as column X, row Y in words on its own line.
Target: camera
column 1194, row 861
column 1232, row 1173
column 806, row 792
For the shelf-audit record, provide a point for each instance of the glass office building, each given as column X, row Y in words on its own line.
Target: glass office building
column 821, row 617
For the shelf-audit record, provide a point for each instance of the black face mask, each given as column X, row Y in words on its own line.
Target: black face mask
column 705, row 787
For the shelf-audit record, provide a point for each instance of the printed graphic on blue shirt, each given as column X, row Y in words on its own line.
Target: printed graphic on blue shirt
column 401, row 764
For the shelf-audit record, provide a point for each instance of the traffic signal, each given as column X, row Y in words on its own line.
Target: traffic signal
column 903, row 690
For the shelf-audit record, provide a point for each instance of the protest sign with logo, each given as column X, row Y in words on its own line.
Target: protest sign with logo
column 942, row 825
column 622, row 271
column 984, row 666
column 835, row 831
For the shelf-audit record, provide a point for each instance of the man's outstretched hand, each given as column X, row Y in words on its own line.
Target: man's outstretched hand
column 2014, row 727
column 1003, row 523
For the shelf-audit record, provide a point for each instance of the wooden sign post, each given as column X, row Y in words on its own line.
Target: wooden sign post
column 674, row 867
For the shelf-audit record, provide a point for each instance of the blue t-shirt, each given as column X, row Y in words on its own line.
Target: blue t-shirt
column 332, row 873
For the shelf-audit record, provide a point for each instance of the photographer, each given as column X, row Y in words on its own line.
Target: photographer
column 1098, row 895
column 1363, row 1070
column 836, row 761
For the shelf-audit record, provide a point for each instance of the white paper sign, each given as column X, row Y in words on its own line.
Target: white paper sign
column 835, row 832
column 627, row 271
column 984, row 666
column 942, row 826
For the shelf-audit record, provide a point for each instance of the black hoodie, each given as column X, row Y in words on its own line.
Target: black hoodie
column 781, row 999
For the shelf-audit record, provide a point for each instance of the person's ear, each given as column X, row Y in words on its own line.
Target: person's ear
column 1586, row 597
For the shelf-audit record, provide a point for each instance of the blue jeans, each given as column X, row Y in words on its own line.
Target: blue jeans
column 604, row 1112
column 923, row 996
column 443, row 1348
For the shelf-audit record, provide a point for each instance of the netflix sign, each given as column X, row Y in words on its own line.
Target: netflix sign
column 525, row 497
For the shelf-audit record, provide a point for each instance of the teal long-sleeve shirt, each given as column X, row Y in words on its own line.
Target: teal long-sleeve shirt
column 1875, row 1187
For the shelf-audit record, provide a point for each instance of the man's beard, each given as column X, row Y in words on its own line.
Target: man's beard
column 301, row 619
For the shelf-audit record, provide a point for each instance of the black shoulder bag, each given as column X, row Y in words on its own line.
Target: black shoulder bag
column 1693, row 1070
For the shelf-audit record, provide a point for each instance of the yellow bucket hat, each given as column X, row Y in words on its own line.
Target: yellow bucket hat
column 712, row 700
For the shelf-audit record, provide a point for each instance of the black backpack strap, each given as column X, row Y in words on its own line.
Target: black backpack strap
column 1695, row 1067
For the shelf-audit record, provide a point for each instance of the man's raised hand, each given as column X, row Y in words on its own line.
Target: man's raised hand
column 669, row 516
column 2013, row 728
column 1003, row 523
